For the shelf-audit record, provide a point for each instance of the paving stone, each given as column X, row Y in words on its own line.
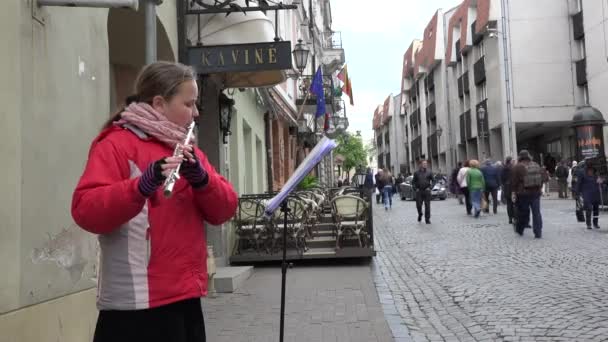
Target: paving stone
column 470, row 280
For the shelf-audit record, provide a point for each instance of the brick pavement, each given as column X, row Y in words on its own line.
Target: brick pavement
column 462, row 279
column 332, row 303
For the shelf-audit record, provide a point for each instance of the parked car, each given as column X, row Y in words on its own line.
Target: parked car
column 405, row 190
column 439, row 191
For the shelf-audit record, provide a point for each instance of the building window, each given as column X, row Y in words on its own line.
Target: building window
column 554, row 148
column 481, row 50
column 482, row 93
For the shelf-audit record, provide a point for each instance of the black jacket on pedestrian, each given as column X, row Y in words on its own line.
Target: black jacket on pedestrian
column 588, row 188
column 561, row 173
column 491, row 175
column 423, row 180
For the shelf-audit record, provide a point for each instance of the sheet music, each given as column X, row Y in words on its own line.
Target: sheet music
column 322, row 148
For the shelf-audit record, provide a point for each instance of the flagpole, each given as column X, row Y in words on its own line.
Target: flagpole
column 302, row 106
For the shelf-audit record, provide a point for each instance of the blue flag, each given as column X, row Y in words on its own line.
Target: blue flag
column 316, row 87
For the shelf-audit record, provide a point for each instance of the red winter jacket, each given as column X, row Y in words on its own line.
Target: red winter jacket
column 153, row 250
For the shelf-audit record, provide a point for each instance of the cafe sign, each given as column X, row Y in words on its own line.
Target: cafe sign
column 240, row 57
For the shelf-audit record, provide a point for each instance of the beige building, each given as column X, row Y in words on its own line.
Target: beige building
column 64, row 71
column 498, row 76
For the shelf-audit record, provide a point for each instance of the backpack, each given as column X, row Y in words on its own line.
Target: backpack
column 561, row 172
column 534, row 176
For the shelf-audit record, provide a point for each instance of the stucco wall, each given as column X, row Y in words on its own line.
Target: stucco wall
column 56, row 95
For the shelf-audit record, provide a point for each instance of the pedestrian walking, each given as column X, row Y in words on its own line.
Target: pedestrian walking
column 368, row 184
column 572, row 178
column 588, row 184
column 527, row 184
column 153, row 267
column 476, row 185
column 454, row 186
column 462, row 181
column 545, row 178
column 387, row 189
column 422, row 184
column 562, row 173
column 507, row 187
column 379, row 186
column 491, row 175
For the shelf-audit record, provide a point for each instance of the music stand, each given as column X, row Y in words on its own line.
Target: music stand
column 323, row 147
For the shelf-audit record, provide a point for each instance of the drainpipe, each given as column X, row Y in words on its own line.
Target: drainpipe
column 268, row 150
column 447, row 96
column 507, row 79
column 150, row 27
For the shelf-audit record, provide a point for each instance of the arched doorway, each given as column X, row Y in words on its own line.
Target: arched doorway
column 126, row 45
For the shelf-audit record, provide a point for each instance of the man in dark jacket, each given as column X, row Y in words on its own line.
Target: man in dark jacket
column 588, row 185
column 505, row 180
column 562, row 179
column 527, row 185
column 368, row 184
column 379, row 186
column 491, row 175
column 422, row 184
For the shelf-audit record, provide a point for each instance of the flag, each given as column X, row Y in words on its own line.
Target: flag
column 347, row 87
column 316, row 88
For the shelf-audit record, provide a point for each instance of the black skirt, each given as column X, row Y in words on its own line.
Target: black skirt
column 177, row 322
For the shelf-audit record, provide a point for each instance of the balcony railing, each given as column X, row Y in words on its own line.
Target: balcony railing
column 332, row 40
column 304, row 89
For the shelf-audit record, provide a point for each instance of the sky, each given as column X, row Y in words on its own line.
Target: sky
column 375, row 36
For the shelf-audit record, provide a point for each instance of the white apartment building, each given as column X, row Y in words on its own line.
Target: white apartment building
column 389, row 135
column 492, row 77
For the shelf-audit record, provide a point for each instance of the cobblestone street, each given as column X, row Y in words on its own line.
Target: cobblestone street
column 462, row 279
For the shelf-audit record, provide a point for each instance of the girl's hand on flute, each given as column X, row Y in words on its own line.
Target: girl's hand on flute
column 156, row 173
column 192, row 169
column 169, row 164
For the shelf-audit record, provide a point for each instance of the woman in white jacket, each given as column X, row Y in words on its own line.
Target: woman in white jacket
column 462, row 182
column 574, row 163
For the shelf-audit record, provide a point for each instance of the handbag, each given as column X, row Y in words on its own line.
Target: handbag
column 484, row 202
column 580, row 214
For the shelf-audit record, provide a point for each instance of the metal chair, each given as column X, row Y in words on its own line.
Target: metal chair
column 250, row 223
column 350, row 218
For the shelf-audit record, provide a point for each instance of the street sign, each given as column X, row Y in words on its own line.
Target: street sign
column 240, row 57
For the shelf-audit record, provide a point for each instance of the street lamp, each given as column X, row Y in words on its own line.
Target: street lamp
column 226, row 105
column 300, row 54
column 481, row 116
column 360, row 177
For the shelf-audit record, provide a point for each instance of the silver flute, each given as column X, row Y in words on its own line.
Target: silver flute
column 179, row 150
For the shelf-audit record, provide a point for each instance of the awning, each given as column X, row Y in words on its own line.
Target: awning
column 272, row 100
column 237, row 28
column 287, row 112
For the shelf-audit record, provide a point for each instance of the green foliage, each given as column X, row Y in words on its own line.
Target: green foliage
column 351, row 148
column 308, row 182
